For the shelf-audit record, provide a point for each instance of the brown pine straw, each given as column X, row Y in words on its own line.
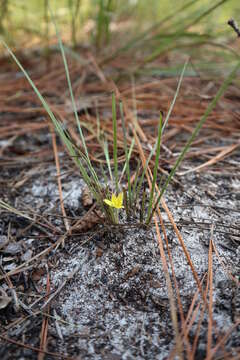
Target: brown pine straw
column 197, row 333
column 44, row 252
column 163, row 257
column 223, row 153
column 210, row 294
column 186, row 327
column 167, row 276
column 164, row 261
column 164, row 205
column 224, row 266
column 24, row 266
column 209, row 307
column 205, row 304
column 151, row 95
column 26, row 346
column 170, row 289
column 224, row 339
column 183, row 340
column 176, row 287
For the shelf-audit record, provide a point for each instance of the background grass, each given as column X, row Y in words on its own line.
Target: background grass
column 27, row 22
column 149, row 29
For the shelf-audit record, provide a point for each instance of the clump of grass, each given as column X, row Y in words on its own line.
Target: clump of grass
column 110, row 201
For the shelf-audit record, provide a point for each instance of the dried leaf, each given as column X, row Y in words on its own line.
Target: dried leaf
column 87, row 199
column 89, row 221
column 38, row 274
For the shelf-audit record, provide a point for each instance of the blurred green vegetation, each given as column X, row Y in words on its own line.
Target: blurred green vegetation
column 155, row 27
column 97, row 20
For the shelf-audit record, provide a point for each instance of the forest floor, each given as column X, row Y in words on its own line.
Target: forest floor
column 77, row 288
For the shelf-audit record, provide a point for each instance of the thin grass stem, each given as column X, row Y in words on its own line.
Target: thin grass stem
column 209, row 109
column 142, row 209
column 69, row 83
column 175, row 95
column 126, row 155
column 106, row 153
column 129, row 157
column 93, row 173
column 143, row 35
column 115, row 160
column 69, row 145
column 134, row 197
column 165, row 123
column 155, row 170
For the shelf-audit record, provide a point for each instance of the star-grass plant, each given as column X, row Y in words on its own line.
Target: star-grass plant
column 116, row 198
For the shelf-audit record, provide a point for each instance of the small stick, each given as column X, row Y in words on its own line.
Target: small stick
column 234, row 26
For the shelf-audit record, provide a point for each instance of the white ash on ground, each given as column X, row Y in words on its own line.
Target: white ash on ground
column 116, row 306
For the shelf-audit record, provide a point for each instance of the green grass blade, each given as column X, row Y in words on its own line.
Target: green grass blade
column 74, row 155
column 107, row 157
column 100, row 24
column 73, row 100
column 114, row 119
column 179, row 31
column 209, row 109
column 204, row 14
column 103, row 173
column 69, row 83
column 140, row 182
column 165, row 123
column 134, row 193
column 98, row 125
column 142, row 209
column 143, row 35
column 155, row 170
column 41, row 98
column 126, row 155
column 11, row 209
column 175, row 96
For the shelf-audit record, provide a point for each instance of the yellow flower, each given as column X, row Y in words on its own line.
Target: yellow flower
column 116, row 201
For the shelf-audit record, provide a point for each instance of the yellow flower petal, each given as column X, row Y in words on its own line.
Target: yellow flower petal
column 116, row 201
column 119, row 200
column 109, row 202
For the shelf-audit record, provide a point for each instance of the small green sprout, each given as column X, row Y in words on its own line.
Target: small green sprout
column 116, row 201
